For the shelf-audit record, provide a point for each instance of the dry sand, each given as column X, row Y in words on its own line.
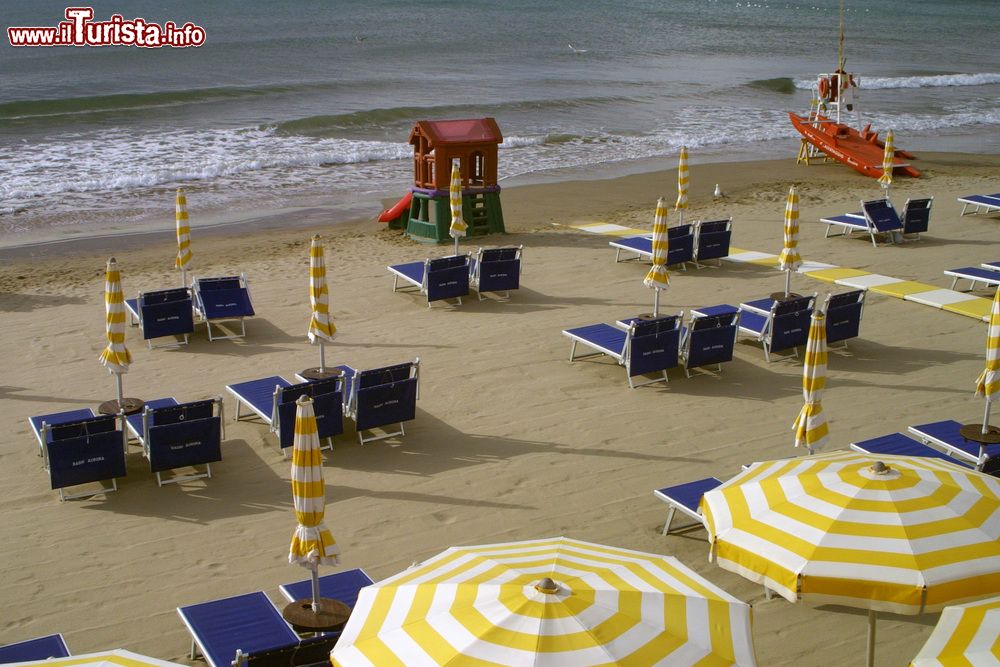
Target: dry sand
column 511, row 441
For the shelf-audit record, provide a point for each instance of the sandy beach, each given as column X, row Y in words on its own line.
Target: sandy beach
column 511, row 440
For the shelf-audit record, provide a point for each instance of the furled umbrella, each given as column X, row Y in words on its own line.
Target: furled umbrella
column 900, row 534
column 682, row 184
column 890, row 153
column 554, row 601
column 115, row 356
column 658, row 278
column 789, row 260
column 966, row 635
column 458, row 227
column 810, row 426
column 312, row 543
column 183, row 260
column 988, row 382
column 321, row 327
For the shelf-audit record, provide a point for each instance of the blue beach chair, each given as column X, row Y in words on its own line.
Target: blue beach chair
column 708, row 340
column 974, row 274
column 223, row 299
column 981, row 203
column 163, row 313
column 344, row 586
column 646, row 347
column 843, row 316
column 82, row 452
column 496, row 270
column 685, row 498
column 179, row 435
column 712, row 238
column 384, row 397
column 39, row 422
column 916, row 216
column 898, row 444
column 679, row 251
column 947, row 435
column 438, row 279
column 778, row 325
column 40, row 648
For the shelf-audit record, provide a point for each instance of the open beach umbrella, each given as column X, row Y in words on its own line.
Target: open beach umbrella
column 312, row 543
column 901, row 534
column 555, row 601
column 183, row 260
column 321, row 327
column 810, row 426
column 115, row 357
column 115, row 658
column 890, row 152
column 966, row 635
column 789, row 260
column 658, row 278
column 458, row 227
column 682, row 184
column 988, row 383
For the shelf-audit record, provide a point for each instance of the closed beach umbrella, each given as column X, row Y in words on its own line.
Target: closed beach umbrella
column 116, row 658
column 810, row 426
column 789, row 260
column 321, row 327
column 458, row 227
column 115, row 357
column 890, row 152
column 658, row 278
column 966, row 635
column 682, row 183
column 988, row 384
column 901, row 534
column 183, row 260
column 312, row 543
column 554, row 601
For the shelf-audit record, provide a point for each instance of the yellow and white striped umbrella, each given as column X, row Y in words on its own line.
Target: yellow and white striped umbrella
column 658, row 278
column 321, row 326
column 115, row 357
column 789, row 260
column 458, row 227
column 183, row 260
column 546, row 602
column 966, row 635
column 312, row 544
column 810, row 426
column 683, row 177
column 116, row 658
column 988, row 383
column 890, row 152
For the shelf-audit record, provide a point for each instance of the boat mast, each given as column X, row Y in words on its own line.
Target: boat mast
column 840, row 61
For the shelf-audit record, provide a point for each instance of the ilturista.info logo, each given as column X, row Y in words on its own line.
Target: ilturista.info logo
column 80, row 29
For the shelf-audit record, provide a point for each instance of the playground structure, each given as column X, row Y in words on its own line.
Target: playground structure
column 474, row 143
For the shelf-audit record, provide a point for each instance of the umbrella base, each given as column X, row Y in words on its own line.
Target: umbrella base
column 331, row 615
column 781, row 296
column 128, row 405
column 315, row 374
column 974, row 432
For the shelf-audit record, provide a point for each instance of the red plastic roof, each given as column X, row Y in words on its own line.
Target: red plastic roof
column 471, row 130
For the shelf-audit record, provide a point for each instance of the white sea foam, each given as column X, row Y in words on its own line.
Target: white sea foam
column 931, row 81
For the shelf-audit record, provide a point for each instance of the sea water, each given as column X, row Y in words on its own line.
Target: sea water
column 311, row 102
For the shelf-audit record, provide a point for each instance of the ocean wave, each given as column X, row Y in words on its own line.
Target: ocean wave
column 929, row 81
column 779, row 85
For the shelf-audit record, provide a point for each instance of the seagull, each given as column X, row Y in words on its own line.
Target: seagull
column 360, row 39
column 576, row 50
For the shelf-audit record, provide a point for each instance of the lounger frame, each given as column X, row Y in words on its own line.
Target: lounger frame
column 982, row 203
column 974, row 275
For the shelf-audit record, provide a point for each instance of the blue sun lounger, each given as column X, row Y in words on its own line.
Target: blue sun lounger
column 897, row 444
column 221, row 300
column 646, row 347
column 946, row 434
column 981, row 203
column 679, row 251
column 778, row 325
column 438, row 279
column 40, row 648
column 84, row 451
column 39, row 422
column 843, row 316
column 496, row 270
column 708, row 339
column 992, row 266
column 974, row 275
column 344, row 586
column 878, row 216
column 711, row 240
column 179, row 435
column 382, row 397
column 685, row 498
column 247, row 623
column 916, row 216
column 163, row 313
column 273, row 398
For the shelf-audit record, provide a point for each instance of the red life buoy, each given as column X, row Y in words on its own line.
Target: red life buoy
column 824, row 89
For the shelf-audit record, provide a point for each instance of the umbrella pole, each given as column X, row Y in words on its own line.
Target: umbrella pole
column 986, row 419
column 872, row 618
column 456, row 246
column 184, row 280
column 656, row 305
column 315, row 588
column 322, row 357
column 121, row 396
column 788, row 282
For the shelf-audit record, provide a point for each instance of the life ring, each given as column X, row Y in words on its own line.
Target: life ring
column 824, row 89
